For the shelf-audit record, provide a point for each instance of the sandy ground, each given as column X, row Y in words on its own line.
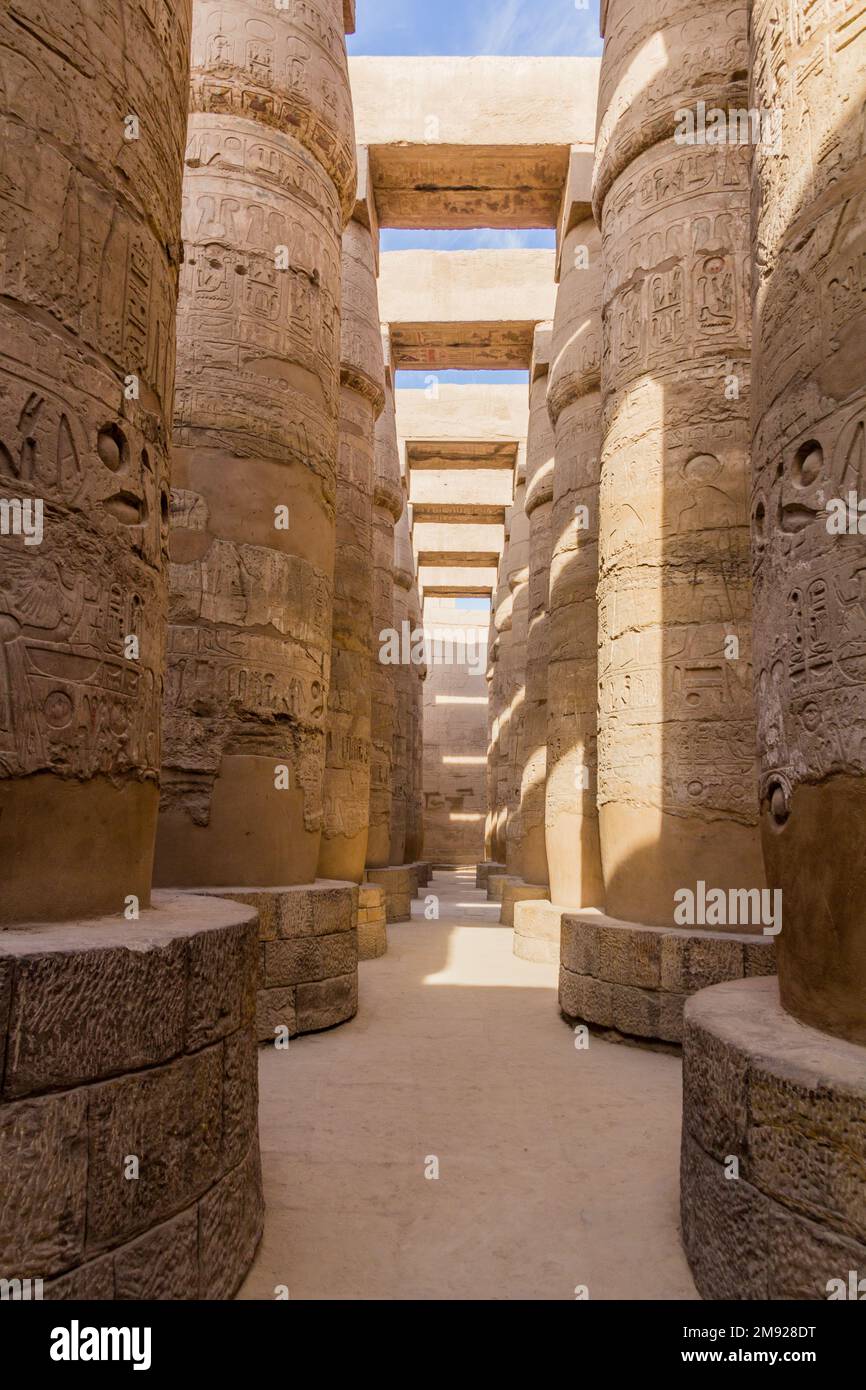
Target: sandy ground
column 557, row 1166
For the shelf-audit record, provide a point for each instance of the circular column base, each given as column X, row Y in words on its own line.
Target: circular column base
column 308, row 955
column 537, row 926
column 129, row 1113
column 520, row 892
column 372, row 927
column 496, row 885
column 634, row 980
column 484, row 871
column 773, row 1175
column 400, row 882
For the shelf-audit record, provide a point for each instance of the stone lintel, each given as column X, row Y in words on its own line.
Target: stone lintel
column 472, row 142
column 365, row 204
column 465, row 309
column 463, row 487
column 541, row 348
column 481, row 414
column 458, row 541
column 349, row 8
column 576, row 200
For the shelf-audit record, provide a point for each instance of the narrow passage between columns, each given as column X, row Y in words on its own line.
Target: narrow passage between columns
column 558, row 1167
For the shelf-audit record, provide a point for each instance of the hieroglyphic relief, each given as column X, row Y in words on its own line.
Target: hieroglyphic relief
column 809, row 451
column 676, row 742
column 89, row 247
column 283, row 67
column 270, row 167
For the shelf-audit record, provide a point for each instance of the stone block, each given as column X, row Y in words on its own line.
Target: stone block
column 240, row 1094
column 373, row 939
column 275, row 1008
column 43, row 1189
column 325, row 1003
column 88, row 1283
column 537, row 931
column 805, row 1257
column 162, row 1264
column 725, row 1224
column 134, row 1000
column 496, row 886
column 230, row 1216
column 519, row 892
column 171, row 1119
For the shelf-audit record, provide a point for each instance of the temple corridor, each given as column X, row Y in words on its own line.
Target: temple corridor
column 458, row 1052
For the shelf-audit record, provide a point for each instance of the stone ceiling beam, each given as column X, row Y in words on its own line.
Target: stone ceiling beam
column 477, row 414
column 465, row 309
column 472, row 142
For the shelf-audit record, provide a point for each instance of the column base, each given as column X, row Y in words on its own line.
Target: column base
column 634, row 980
column 308, row 955
column 129, row 1141
column 496, row 884
column 484, row 870
column 423, row 872
column 514, row 893
column 537, row 925
column 400, row 882
column 372, row 928
column 789, row 1104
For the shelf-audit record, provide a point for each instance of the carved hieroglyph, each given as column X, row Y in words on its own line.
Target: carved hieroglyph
column 574, row 403
column 518, row 583
column 346, row 797
column 270, row 174
column 387, row 508
column 533, row 756
column 809, row 449
column 92, row 114
column 404, row 679
column 676, row 774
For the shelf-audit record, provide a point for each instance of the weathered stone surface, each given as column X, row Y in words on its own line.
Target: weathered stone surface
column 346, row 793
column 270, row 180
column 91, row 1281
column 325, row 1003
column 79, row 730
column 400, row 884
column 517, row 578
column 514, row 893
column 574, row 405
column 809, row 456
column 43, row 1195
column 230, row 1227
column 789, row 1103
column 162, row 1264
column 372, row 928
column 635, row 978
column 275, row 1011
column 497, row 884
column 537, row 931
column 483, row 872
column 676, row 765
column 171, row 1119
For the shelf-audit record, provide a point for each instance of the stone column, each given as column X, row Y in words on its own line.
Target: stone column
column 539, row 494
column 518, row 577
column 574, row 403
column 775, row 1071
column 270, row 183
column 130, row 1033
column 500, row 697
column 387, row 509
column 404, row 679
column 90, row 242
column 343, row 850
column 415, row 811
column 676, row 766
column 574, row 406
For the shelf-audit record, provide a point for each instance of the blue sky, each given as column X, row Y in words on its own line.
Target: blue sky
column 528, row 28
